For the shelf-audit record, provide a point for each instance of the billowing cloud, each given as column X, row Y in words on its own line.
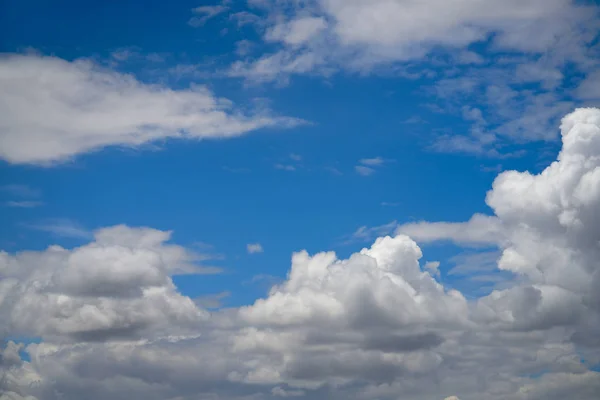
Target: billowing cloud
column 378, row 324
column 52, row 110
column 116, row 286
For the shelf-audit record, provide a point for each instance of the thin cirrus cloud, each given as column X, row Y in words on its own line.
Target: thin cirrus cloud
column 81, row 107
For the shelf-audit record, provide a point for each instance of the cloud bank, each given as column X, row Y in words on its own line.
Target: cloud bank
column 378, row 324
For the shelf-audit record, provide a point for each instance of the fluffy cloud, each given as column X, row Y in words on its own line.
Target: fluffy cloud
column 116, row 286
column 361, row 33
column 52, row 109
column 374, row 325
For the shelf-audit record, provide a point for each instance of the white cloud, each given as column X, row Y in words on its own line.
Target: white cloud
column 431, row 39
column 81, row 107
column 367, row 166
column 479, row 230
column 61, row 227
column 361, row 34
column 374, row 325
column 20, row 190
column 23, row 203
column 254, row 248
column 372, row 161
column 205, row 13
column 285, row 167
column 364, row 171
column 116, row 286
column 433, row 266
column 296, row 32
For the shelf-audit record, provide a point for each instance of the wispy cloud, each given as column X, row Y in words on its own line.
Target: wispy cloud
column 285, row 167
column 254, row 248
column 237, row 170
column 367, row 166
column 372, row 161
column 366, row 234
column 62, row 228
column 205, row 13
column 364, row 171
column 23, row 203
column 20, row 190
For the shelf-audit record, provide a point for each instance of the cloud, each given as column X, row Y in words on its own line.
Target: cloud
column 254, row 248
column 20, row 191
column 367, row 166
column 117, row 286
column 479, row 230
column 23, row 204
column 366, row 234
column 374, row 324
column 81, row 107
column 519, row 73
column 362, row 34
column 285, row 167
column 205, row 13
column 372, row 161
column 364, row 171
column 61, row 227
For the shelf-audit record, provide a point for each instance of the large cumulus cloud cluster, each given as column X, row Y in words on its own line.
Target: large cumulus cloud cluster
column 377, row 325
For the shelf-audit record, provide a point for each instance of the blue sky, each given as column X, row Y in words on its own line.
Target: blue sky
column 230, row 193
column 339, row 129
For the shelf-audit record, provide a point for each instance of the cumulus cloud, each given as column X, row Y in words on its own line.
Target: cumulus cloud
column 119, row 285
column 81, row 107
column 373, row 325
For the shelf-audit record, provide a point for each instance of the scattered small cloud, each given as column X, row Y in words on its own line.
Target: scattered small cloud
column 23, row 204
column 366, row 234
column 205, row 13
column 389, row 204
column 243, row 18
column 372, row 161
column 254, row 248
column 491, row 168
column 364, row 171
column 237, row 170
column 296, row 157
column 415, row 119
column 285, row 167
column 20, row 190
column 333, row 170
column 367, row 166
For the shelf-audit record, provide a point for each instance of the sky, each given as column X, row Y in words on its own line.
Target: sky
column 320, row 199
